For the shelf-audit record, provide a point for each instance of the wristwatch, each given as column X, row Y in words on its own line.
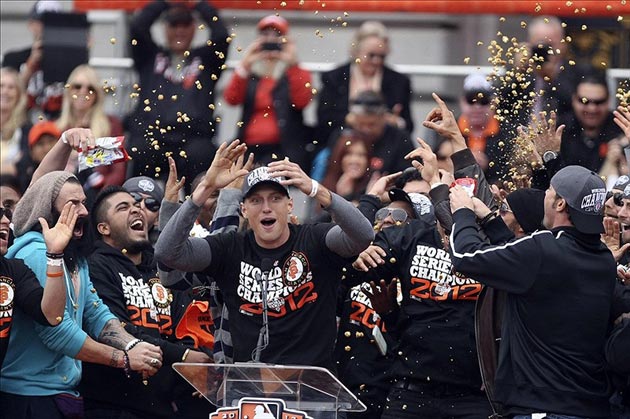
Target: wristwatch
column 549, row 155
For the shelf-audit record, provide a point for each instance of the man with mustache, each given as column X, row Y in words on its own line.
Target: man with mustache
column 41, row 372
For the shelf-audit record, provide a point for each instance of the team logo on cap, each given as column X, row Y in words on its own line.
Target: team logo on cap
column 622, row 180
column 260, row 174
column 421, row 203
column 594, row 201
column 146, row 185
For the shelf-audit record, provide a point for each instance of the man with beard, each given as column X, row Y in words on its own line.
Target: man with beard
column 124, row 274
column 43, row 368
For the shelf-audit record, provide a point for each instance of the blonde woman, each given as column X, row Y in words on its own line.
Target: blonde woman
column 83, row 107
column 366, row 71
column 13, row 123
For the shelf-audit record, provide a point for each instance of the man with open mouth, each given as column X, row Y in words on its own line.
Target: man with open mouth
column 296, row 267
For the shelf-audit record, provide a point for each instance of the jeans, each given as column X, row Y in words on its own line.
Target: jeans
column 29, row 407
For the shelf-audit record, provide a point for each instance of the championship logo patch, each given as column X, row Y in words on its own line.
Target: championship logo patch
column 161, row 296
column 146, row 185
column 295, row 268
column 7, row 293
column 255, row 408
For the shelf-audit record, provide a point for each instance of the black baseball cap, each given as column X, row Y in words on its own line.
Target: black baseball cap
column 585, row 194
column 421, row 205
column 145, row 185
column 260, row 176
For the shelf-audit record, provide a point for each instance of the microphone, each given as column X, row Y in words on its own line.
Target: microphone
column 266, row 265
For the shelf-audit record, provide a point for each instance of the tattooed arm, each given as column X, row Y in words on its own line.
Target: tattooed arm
column 109, row 350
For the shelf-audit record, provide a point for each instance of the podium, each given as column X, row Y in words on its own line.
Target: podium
column 313, row 390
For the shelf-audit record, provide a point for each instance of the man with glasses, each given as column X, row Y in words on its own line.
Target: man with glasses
column 149, row 193
column 590, row 125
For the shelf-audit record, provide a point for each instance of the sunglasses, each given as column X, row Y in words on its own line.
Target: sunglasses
column 597, row 102
column 151, row 204
column 399, row 215
column 474, row 97
column 372, row 55
column 6, row 212
column 79, row 86
column 617, row 198
column 504, row 208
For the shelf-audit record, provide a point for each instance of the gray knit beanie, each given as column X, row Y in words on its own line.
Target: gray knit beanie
column 38, row 201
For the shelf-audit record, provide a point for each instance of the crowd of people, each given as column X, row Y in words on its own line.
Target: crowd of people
column 481, row 273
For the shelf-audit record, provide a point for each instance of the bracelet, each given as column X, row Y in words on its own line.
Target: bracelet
column 54, row 255
column 54, row 274
column 126, row 364
column 485, row 220
column 185, row 355
column 314, row 188
column 54, row 262
column 131, row 344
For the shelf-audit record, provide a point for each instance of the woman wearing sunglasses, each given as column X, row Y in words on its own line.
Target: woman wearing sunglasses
column 83, row 107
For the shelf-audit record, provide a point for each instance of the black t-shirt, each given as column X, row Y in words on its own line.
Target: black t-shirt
column 302, row 288
column 18, row 286
column 360, row 364
column 436, row 325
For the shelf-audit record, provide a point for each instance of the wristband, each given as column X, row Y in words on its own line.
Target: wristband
column 54, row 261
column 54, row 274
column 54, row 255
column 126, row 364
column 314, row 188
column 485, row 220
column 185, row 355
column 131, row 344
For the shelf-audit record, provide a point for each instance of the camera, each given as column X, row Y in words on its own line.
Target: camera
column 271, row 46
column 540, row 52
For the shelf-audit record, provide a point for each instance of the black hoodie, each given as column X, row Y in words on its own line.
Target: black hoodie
column 134, row 295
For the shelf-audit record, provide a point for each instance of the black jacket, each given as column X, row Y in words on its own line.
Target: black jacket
column 333, row 101
column 576, row 148
column 180, row 92
column 560, row 286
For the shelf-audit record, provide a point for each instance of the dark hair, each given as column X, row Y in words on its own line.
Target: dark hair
column 408, row 175
column 368, row 102
column 99, row 208
column 592, row 76
column 10, row 181
column 334, row 171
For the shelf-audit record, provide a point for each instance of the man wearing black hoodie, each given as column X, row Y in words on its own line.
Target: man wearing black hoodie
column 124, row 273
column 548, row 364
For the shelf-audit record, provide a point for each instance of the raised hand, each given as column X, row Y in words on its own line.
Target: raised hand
column 612, row 238
column 369, row 258
column 383, row 296
column 544, row 134
column 223, row 170
column 382, row 185
column 80, row 139
column 295, row 176
column 459, row 199
column 622, row 119
column 58, row 237
column 428, row 168
column 442, row 121
column 173, row 186
column 241, row 163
